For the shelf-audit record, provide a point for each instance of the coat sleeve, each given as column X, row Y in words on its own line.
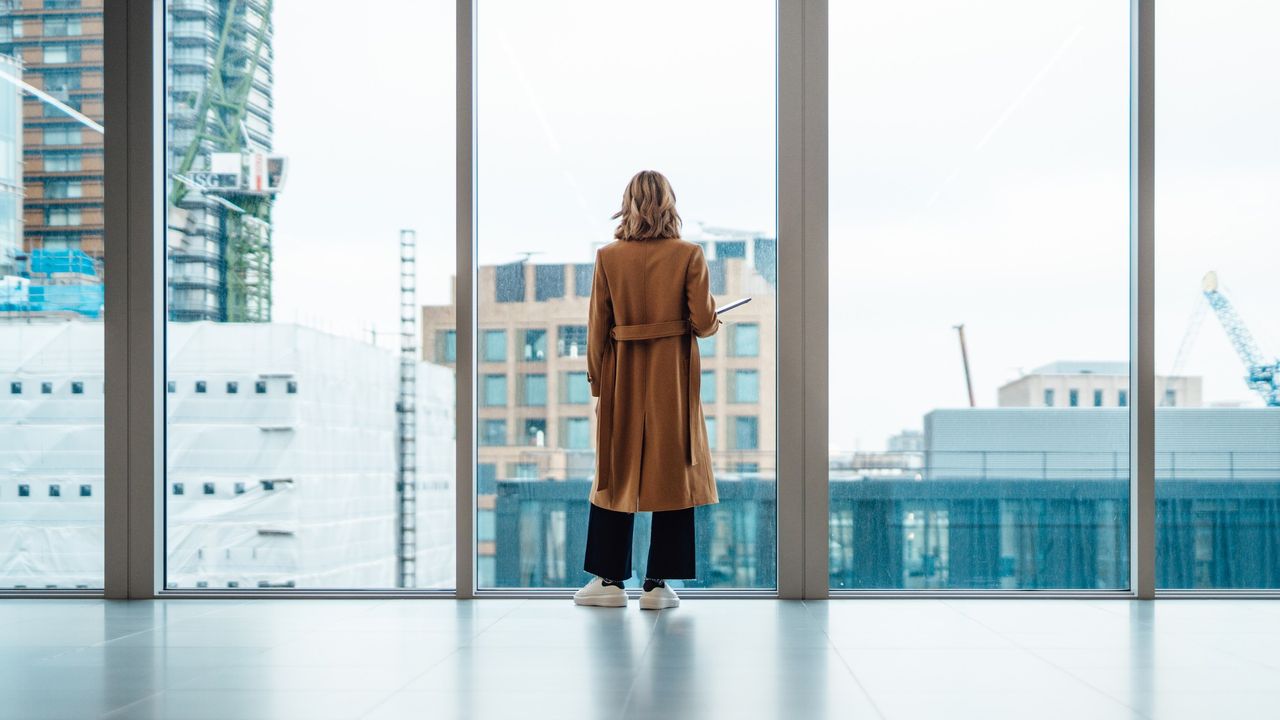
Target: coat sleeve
column 599, row 323
column 702, row 307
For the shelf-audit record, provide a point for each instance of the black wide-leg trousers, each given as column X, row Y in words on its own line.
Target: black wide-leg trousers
column 671, row 544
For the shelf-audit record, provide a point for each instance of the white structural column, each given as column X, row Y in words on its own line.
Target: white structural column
column 466, row 298
column 802, row 298
column 1142, row 430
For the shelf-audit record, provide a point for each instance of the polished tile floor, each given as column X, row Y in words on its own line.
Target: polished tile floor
column 317, row 659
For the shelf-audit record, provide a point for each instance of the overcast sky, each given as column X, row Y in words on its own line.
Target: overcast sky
column 979, row 160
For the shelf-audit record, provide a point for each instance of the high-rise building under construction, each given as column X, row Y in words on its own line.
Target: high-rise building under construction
column 220, row 174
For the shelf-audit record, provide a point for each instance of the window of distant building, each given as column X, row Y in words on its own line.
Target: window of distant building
column 494, row 345
column 535, row 390
column 61, row 27
column 201, row 386
column 1073, row 397
column 535, row 345
column 58, row 54
column 493, row 432
column 61, row 162
column 509, row 282
column 260, row 387
column 707, row 387
column 233, row 387
column 1170, row 398
column 77, row 387
column 46, row 388
column 447, row 346
column 86, row 491
column 209, row 488
column 707, row 346
column 745, row 340
column 1048, row 397
column 746, row 386
column 576, row 434
column 746, row 433
column 572, row 341
column 61, row 4
column 59, row 83
column 746, row 467
column 731, row 249
column 10, row 28
column 494, row 393
column 523, row 470
column 1122, row 398
column 1097, row 398
column 548, row 282
column 583, row 274
column 716, row 269
column 711, row 432
column 63, row 189
column 55, row 490
column 575, row 390
column 15, row 388
column 535, row 432
column 24, row 490
column 61, row 217
column 179, row 489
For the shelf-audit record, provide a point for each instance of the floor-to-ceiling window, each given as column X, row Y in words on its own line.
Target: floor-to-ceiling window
column 572, row 100
column 52, row 274
column 1217, row 250
column 309, row 216
column 979, row 292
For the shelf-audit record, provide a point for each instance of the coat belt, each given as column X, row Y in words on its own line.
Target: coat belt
column 609, row 374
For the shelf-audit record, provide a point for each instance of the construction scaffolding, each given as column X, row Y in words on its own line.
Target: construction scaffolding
column 223, row 171
column 407, row 417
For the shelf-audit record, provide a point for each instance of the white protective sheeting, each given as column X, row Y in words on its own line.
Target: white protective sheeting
column 281, row 459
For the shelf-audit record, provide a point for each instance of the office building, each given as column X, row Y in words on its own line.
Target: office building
column 1091, row 384
column 59, row 46
column 536, row 418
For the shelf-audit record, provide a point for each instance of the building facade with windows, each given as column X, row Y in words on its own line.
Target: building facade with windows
column 1092, row 384
column 535, row 414
column 59, row 44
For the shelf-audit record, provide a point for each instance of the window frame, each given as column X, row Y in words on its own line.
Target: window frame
column 134, row 420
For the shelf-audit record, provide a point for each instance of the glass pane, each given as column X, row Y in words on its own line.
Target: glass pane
column 309, row 200
column 1217, row 345
column 979, row 293
column 558, row 140
column 51, row 301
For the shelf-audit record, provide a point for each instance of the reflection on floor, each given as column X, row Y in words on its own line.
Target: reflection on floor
column 314, row 659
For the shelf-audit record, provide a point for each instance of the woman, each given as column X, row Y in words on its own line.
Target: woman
column 650, row 298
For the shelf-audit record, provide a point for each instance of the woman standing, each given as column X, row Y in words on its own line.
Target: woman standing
column 650, row 298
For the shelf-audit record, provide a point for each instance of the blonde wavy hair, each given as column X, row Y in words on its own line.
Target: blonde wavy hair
column 648, row 209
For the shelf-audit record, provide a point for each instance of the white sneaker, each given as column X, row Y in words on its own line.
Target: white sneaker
column 597, row 594
column 659, row 598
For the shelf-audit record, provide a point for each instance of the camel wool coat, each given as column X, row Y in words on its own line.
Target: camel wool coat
column 649, row 299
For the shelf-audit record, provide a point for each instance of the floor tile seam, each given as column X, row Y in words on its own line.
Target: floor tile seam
column 128, row 705
column 1056, row 666
column 635, row 675
column 845, row 662
column 393, row 693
